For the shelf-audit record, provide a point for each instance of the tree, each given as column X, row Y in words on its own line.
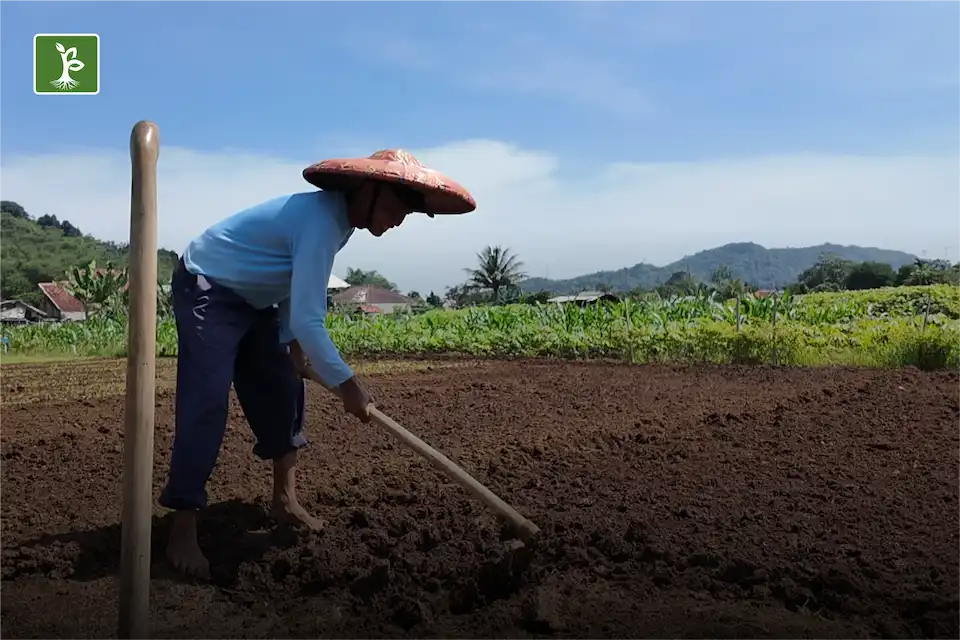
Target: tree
column 902, row 274
column 829, row 273
column 16, row 286
column 434, row 300
column 14, row 209
column 47, row 221
column 869, row 275
column 721, row 273
column 462, row 295
column 923, row 272
column 725, row 284
column 680, row 283
column 496, row 270
column 359, row 276
column 69, row 230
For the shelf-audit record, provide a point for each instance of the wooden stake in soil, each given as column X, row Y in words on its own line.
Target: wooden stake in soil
column 774, row 358
column 141, row 386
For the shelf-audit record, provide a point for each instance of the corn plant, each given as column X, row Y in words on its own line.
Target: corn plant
column 881, row 327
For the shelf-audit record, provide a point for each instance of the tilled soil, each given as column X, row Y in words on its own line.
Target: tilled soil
column 673, row 502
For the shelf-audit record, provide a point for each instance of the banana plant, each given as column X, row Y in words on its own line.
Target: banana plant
column 98, row 290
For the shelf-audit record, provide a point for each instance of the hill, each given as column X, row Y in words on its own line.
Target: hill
column 42, row 250
column 749, row 262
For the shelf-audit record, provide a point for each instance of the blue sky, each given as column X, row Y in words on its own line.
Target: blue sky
column 594, row 135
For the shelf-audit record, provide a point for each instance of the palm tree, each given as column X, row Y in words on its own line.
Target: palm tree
column 372, row 277
column 922, row 273
column 497, row 269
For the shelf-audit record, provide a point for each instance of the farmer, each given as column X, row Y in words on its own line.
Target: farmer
column 250, row 301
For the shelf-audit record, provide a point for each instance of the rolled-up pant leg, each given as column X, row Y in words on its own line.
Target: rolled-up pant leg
column 211, row 323
column 269, row 389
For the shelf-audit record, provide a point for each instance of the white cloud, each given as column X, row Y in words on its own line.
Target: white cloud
column 566, row 223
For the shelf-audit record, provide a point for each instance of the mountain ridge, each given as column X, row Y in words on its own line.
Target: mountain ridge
column 749, row 262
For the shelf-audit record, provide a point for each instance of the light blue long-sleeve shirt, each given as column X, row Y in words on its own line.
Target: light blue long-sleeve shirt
column 281, row 252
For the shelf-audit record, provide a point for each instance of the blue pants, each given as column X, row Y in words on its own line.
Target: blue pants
column 222, row 340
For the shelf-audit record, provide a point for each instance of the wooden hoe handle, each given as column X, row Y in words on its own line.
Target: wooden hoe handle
column 524, row 527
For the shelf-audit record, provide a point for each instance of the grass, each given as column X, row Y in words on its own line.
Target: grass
column 891, row 327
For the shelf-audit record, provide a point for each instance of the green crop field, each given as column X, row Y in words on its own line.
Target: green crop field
column 896, row 326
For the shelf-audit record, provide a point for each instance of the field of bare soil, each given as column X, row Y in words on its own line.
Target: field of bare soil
column 673, row 502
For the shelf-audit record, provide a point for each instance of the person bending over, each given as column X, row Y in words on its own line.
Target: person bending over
column 250, row 302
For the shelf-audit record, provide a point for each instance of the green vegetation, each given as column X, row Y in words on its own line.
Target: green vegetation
column 831, row 273
column 689, row 317
column 45, row 249
column 359, row 277
column 884, row 327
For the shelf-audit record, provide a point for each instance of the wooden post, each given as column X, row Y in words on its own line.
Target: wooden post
column 774, row 329
column 137, row 516
column 738, row 350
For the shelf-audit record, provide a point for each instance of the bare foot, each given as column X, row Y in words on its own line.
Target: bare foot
column 286, row 508
column 290, row 512
column 183, row 549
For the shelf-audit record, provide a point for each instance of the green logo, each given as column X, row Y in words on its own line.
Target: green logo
column 66, row 63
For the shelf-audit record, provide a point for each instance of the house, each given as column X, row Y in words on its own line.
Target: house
column 585, row 297
column 372, row 299
column 336, row 283
column 60, row 304
column 19, row 312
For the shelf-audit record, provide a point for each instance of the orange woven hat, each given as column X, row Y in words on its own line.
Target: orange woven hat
column 440, row 194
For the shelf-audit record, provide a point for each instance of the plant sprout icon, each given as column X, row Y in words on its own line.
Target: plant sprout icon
column 69, row 62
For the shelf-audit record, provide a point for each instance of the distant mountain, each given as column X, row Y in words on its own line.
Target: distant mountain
column 752, row 263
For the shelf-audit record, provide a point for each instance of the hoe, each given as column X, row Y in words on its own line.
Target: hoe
column 525, row 529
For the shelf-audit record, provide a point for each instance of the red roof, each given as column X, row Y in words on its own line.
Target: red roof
column 60, row 297
column 369, row 294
